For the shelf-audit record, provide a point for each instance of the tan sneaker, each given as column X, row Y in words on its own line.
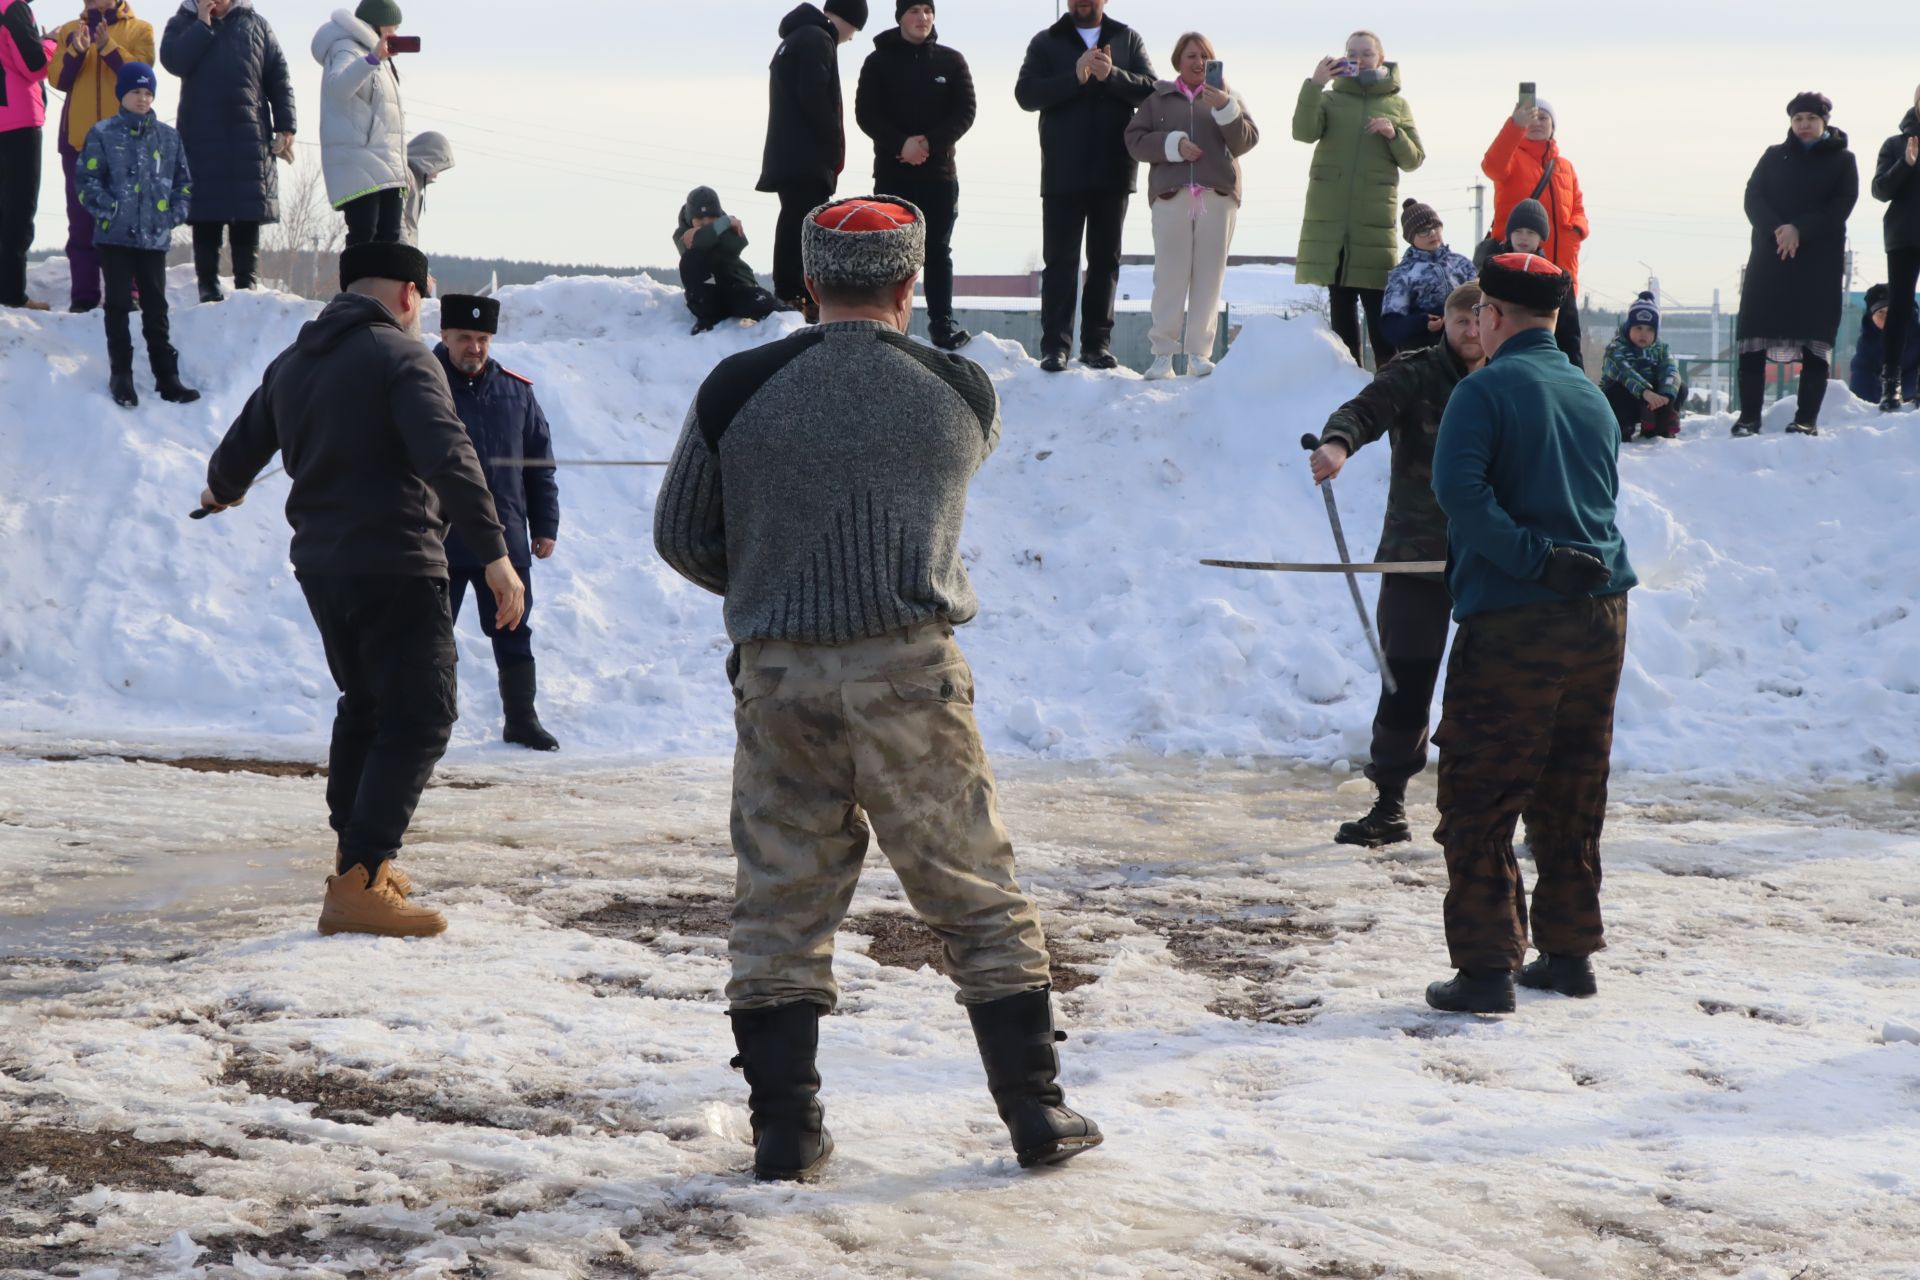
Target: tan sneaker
column 398, row 880
column 354, row 906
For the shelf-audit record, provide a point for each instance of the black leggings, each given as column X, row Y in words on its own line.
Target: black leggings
column 375, row 218
column 1813, row 385
column 1344, row 306
column 246, row 253
column 1903, row 273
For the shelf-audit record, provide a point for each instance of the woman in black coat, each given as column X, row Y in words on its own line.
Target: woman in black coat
column 1894, row 182
column 1798, row 200
column 236, row 115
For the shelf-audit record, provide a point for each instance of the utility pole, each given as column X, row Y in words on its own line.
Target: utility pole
column 1479, row 212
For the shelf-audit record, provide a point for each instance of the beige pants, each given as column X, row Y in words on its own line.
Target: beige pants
column 835, row 740
column 1189, row 268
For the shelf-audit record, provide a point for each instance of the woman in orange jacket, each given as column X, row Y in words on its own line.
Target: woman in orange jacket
column 92, row 49
column 1525, row 161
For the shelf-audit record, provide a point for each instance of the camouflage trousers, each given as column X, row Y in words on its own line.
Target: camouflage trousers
column 1526, row 728
column 839, row 741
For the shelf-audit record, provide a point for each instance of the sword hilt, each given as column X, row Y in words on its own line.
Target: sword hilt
column 1309, row 442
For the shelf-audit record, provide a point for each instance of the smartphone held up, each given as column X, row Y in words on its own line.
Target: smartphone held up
column 1216, row 74
column 403, row 44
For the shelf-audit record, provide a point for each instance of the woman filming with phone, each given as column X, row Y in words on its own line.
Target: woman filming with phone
column 363, row 128
column 1364, row 139
column 1525, row 163
column 1191, row 133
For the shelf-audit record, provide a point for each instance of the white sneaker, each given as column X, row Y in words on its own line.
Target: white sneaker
column 1162, row 369
column 1199, row 367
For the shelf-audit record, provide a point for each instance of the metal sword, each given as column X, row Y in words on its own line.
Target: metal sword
column 1311, row 442
column 1395, row 566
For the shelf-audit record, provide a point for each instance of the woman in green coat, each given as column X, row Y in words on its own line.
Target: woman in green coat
column 1364, row 137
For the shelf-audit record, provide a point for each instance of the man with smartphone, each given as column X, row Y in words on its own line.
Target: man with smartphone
column 1084, row 75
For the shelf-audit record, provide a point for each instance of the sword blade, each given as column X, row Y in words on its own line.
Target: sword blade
column 570, row 462
column 1353, row 585
column 1272, row 566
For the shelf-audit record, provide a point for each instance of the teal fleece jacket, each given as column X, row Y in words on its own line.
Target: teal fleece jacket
column 1528, row 459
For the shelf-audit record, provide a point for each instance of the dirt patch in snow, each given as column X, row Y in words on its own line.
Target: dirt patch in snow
column 42, row 1169
column 902, row 941
column 643, row 920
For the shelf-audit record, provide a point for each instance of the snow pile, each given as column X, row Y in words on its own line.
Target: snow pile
column 1774, row 634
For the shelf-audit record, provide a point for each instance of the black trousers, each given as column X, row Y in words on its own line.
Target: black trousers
column 245, row 237
column 789, row 271
column 389, row 642
column 1632, row 414
column 123, row 269
column 712, row 300
column 1414, row 617
column 940, row 202
column 1814, row 373
column 1097, row 219
column 375, row 218
column 1903, row 274
column 1566, row 332
column 1344, row 306
column 510, row 648
column 19, row 200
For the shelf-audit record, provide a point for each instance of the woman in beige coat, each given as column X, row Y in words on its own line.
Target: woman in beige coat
column 1192, row 136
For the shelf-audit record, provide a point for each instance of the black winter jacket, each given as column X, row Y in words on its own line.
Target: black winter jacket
column 1083, row 145
column 1814, row 190
column 504, row 421
column 1893, row 182
column 234, row 96
column 912, row 90
column 806, row 127
column 364, row 421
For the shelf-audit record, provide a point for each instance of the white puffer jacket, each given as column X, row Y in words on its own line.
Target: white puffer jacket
column 363, row 131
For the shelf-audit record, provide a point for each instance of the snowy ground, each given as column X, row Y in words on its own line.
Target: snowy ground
column 193, row 1082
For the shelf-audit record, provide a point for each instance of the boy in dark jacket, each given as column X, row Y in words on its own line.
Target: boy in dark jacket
column 1640, row 376
column 720, row 286
column 1870, row 352
column 132, row 178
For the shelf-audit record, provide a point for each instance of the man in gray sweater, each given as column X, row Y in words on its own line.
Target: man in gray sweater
column 820, row 486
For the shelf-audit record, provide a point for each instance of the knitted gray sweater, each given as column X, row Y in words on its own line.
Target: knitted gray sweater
column 821, row 481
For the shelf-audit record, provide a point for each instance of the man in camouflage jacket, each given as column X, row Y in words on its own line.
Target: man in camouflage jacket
column 1404, row 404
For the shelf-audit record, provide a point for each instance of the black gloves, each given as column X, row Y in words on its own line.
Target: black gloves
column 1574, row 574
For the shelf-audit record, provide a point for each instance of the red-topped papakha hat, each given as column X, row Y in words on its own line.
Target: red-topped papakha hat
column 1526, row 280
column 864, row 243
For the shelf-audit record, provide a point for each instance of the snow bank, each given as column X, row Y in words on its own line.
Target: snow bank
column 1774, row 635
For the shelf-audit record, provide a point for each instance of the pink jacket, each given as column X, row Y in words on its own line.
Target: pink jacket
column 24, row 102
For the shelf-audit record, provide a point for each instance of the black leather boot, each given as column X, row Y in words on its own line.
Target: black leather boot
column 1474, row 991
column 1016, row 1039
column 120, row 358
column 1568, row 975
column 947, row 335
column 1385, row 823
column 777, row 1051
column 166, row 376
column 523, row 727
column 1890, row 392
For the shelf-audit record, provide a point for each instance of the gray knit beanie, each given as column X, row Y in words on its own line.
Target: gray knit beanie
column 867, row 242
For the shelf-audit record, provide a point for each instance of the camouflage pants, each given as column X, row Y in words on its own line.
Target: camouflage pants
column 1527, row 728
column 839, row 740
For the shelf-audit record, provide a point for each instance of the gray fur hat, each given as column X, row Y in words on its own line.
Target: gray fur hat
column 865, row 242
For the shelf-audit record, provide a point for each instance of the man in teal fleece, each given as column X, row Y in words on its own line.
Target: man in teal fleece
column 1526, row 469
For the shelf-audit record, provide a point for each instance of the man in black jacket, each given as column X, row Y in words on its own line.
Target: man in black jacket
column 1085, row 75
column 806, row 131
column 1404, row 405
column 362, row 418
column 916, row 102
column 507, row 427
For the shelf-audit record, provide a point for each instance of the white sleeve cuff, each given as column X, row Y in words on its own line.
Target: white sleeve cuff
column 1173, row 146
column 1227, row 114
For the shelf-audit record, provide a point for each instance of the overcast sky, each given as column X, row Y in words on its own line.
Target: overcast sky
column 579, row 125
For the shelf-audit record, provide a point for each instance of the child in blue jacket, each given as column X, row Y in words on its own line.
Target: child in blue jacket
column 132, row 178
column 1413, row 307
column 1640, row 375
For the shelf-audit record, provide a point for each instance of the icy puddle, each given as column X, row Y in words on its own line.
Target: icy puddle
column 194, row 1083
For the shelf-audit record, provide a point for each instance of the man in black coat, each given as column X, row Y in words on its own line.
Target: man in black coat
column 236, row 116
column 806, row 130
column 916, row 102
column 379, row 461
column 1085, row 75
column 1893, row 182
column 505, row 423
